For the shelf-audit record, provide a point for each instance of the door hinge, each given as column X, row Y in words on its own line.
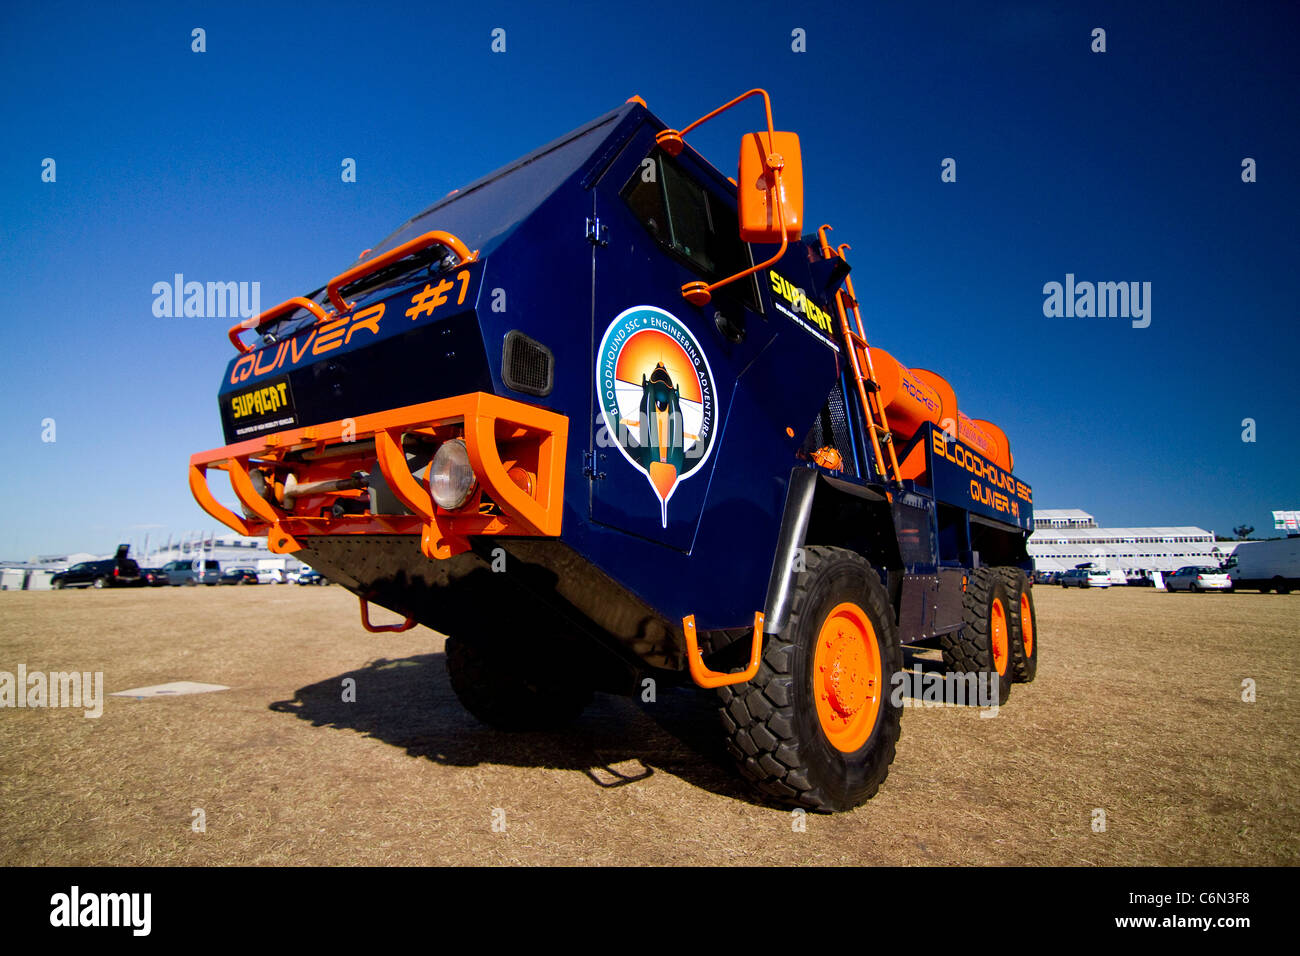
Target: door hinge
column 597, row 234
column 589, row 466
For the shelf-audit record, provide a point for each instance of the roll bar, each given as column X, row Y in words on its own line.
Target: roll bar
column 435, row 237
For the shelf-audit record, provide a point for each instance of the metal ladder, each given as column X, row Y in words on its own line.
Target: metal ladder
column 860, row 362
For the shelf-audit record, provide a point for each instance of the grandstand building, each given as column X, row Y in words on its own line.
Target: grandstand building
column 232, row 551
column 1066, row 538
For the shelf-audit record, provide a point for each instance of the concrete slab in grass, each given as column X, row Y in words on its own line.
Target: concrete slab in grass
column 174, row 689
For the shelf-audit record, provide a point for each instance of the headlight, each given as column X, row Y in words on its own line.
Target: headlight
column 451, row 478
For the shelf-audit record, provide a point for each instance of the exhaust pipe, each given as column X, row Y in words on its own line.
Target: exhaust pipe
column 293, row 489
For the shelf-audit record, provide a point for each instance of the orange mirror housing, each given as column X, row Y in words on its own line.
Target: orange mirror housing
column 759, row 220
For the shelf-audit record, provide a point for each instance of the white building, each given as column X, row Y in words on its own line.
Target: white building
column 1066, row 538
column 34, row 574
column 232, row 551
column 60, row 562
column 25, row 576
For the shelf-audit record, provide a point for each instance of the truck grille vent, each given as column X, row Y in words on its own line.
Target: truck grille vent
column 527, row 365
column 831, row 428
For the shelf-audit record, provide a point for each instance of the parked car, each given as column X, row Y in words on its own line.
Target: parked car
column 1194, row 578
column 239, row 576
column 154, row 577
column 1085, row 578
column 118, row 571
column 270, row 576
column 193, row 572
column 308, row 576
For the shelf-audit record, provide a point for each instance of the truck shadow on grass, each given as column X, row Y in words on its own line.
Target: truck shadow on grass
column 409, row 703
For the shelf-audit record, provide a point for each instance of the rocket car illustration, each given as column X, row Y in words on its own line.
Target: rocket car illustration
column 663, row 448
column 657, row 397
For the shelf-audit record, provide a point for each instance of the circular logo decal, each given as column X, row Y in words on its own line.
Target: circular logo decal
column 656, row 397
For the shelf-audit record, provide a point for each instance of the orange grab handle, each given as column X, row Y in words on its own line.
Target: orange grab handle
column 406, row 625
column 435, row 238
column 284, row 308
column 709, row 678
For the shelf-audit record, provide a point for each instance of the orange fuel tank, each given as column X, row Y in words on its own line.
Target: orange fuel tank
column 913, row 397
column 986, row 438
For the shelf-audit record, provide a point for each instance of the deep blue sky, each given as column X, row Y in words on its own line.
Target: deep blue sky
column 1116, row 166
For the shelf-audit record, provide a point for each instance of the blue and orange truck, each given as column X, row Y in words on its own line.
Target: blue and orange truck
column 609, row 416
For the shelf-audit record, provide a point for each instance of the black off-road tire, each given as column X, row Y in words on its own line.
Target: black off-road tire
column 771, row 722
column 507, row 688
column 1024, row 664
column 970, row 650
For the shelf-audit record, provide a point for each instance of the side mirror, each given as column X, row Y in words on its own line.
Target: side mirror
column 757, row 197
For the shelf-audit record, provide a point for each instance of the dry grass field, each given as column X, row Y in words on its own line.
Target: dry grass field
column 1137, row 710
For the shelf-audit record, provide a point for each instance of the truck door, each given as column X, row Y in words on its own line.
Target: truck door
column 664, row 369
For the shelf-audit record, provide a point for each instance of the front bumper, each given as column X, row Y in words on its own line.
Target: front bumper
column 517, row 452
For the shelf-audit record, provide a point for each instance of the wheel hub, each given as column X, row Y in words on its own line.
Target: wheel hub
column 847, row 677
column 998, row 622
column 1026, row 625
column 847, row 681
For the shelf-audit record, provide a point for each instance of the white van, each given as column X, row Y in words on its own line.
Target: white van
column 1266, row 566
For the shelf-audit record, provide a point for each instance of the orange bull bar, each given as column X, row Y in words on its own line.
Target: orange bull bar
column 516, row 451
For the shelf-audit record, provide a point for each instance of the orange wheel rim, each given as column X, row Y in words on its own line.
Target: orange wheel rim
column 999, row 629
column 1027, row 625
column 847, row 684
